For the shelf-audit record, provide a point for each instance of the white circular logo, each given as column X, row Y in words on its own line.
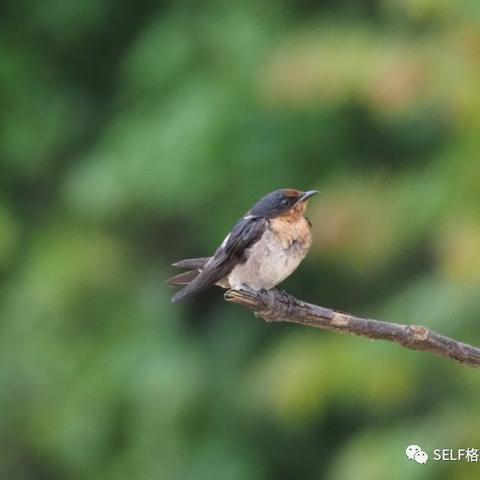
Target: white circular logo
column 414, row 452
column 411, row 451
column 421, row 457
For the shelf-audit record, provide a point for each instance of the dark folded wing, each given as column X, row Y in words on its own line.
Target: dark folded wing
column 245, row 233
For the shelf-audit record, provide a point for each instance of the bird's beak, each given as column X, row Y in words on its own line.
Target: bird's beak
column 307, row 195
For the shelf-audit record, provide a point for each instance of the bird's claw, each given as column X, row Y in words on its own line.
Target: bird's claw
column 245, row 288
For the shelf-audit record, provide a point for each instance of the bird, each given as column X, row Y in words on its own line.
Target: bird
column 265, row 246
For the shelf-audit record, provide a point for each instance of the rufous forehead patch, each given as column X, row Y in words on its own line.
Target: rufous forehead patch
column 290, row 192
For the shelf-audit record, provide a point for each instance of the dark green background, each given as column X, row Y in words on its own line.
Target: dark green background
column 133, row 134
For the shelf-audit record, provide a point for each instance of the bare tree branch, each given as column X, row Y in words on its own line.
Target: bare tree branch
column 277, row 306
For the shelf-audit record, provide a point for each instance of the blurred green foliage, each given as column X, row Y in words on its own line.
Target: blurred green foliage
column 133, row 134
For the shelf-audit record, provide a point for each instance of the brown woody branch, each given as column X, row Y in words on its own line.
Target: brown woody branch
column 277, row 306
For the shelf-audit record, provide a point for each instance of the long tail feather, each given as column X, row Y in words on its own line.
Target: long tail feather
column 188, row 290
column 191, row 263
column 183, row 278
column 205, row 279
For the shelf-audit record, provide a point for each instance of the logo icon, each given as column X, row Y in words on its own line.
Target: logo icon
column 414, row 452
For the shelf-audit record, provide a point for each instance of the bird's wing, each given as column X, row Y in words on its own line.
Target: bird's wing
column 245, row 233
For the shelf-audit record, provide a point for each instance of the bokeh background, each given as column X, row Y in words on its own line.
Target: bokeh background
column 133, row 134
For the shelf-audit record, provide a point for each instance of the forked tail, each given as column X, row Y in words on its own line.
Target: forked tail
column 194, row 264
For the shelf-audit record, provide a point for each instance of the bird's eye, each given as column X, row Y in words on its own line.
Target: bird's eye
column 285, row 202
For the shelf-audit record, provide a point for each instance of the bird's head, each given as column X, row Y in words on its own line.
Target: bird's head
column 287, row 202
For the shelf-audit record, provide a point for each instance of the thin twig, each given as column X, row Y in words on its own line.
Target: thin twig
column 277, row 306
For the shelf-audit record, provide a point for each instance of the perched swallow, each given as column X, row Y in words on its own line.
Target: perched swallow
column 261, row 251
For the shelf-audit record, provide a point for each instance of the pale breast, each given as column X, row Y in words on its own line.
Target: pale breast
column 274, row 257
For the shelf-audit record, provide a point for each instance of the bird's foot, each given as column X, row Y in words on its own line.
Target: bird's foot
column 245, row 288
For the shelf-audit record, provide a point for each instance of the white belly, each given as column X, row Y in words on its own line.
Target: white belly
column 268, row 263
